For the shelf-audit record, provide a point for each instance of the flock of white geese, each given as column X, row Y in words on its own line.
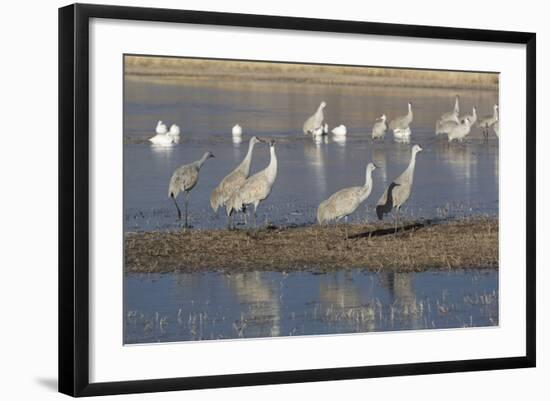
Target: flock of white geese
column 238, row 191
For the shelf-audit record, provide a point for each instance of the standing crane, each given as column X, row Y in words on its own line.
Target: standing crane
column 231, row 182
column 315, row 121
column 399, row 191
column 487, row 122
column 400, row 125
column 346, row 201
column 184, row 180
column 255, row 189
column 379, row 128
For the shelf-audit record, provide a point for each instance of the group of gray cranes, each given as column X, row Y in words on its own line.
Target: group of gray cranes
column 458, row 128
column 346, row 201
column 238, row 191
column 451, row 123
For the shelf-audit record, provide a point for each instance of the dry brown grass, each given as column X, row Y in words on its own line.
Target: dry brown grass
column 458, row 244
column 182, row 69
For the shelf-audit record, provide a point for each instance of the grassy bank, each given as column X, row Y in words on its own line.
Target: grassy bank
column 419, row 246
column 180, row 69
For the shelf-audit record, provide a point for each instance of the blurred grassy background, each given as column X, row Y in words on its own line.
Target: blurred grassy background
column 182, row 69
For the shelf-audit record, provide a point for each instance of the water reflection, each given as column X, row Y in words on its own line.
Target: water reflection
column 205, row 306
column 262, row 317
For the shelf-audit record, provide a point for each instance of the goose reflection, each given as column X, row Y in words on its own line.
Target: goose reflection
column 263, row 316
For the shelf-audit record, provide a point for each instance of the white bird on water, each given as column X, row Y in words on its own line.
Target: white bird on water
column 315, row 121
column 233, row 181
column 161, row 128
column 255, row 189
column 340, row 130
column 346, row 201
column 379, row 128
column 460, row 131
column 184, row 180
column 400, row 125
column 399, row 191
column 162, row 137
column 237, row 131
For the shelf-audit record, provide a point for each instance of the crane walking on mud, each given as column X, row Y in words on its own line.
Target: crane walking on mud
column 399, row 191
column 184, row 180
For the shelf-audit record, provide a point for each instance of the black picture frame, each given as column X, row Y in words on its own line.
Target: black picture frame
column 74, row 198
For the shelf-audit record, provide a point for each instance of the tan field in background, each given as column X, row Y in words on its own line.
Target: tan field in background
column 183, row 70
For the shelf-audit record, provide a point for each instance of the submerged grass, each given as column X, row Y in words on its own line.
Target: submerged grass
column 470, row 243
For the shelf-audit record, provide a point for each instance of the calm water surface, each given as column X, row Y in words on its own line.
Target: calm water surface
column 450, row 180
column 207, row 306
column 456, row 179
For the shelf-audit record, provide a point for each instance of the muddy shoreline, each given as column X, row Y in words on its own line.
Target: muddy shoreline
column 419, row 246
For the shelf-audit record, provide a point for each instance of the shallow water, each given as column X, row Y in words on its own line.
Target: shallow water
column 207, row 306
column 450, row 180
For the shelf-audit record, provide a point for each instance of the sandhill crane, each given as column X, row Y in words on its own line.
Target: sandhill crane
column 400, row 125
column 233, row 180
column 315, row 121
column 256, row 188
column 472, row 117
column 399, row 190
column 496, row 128
column 379, row 128
column 453, row 114
column 487, row 122
column 346, row 201
column 340, row 130
column 184, row 180
column 444, row 127
column 460, row 131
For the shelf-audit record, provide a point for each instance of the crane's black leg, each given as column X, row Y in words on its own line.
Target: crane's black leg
column 177, row 207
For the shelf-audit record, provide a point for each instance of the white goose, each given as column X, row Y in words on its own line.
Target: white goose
column 340, row 130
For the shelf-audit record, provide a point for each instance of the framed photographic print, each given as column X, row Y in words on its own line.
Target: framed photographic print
column 249, row 199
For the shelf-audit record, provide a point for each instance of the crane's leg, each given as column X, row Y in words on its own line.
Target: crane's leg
column 177, row 207
column 186, row 208
column 346, row 226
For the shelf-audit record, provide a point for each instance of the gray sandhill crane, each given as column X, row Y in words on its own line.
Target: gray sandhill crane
column 255, row 188
column 453, row 114
column 313, row 123
column 184, row 180
column 399, row 190
column 460, row 131
column 487, row 122
column 346, row 201
column 444, row 127
column 472, row 117
column 233, row 180
column 400, row 125
column 379, row 128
